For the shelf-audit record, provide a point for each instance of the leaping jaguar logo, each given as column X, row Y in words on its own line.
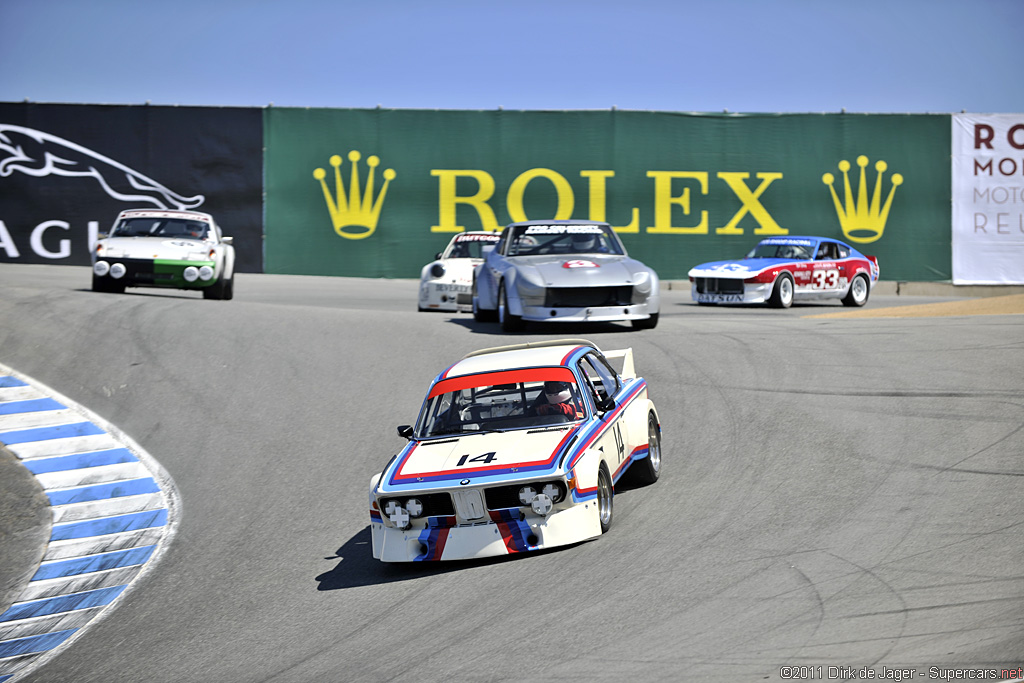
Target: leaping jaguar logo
column 40, row 154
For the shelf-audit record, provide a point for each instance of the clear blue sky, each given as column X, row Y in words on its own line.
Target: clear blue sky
column 739, row 55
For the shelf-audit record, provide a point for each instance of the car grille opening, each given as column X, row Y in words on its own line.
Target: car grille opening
column 716, row 285
column 578, row 297
column 501, row 497
column 434, row 504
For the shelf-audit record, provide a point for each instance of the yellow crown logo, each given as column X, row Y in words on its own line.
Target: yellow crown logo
column 862, row 222
column 352, row 210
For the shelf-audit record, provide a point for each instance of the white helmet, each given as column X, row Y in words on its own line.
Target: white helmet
column 584, row 242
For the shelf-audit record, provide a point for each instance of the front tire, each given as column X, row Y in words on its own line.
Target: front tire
column 509, row 322
column 605, row 499
column 782, row 293
column 481, row 315
column 222, row 289
column 859, row 291
column 646, row 324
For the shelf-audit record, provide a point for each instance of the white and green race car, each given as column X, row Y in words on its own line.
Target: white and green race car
column 162, row 248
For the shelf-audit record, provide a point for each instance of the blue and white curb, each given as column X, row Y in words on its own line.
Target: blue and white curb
column 115, row 511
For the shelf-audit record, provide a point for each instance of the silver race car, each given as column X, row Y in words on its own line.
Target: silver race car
column 563, row 271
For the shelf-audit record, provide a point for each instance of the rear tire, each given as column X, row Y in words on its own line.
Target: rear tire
column 859, row 291
column 649, row 469
column 605, row 499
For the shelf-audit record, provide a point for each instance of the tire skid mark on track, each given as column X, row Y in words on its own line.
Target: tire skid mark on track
column 114, row 513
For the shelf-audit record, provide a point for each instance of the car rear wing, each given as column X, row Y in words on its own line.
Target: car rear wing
column 626, row 356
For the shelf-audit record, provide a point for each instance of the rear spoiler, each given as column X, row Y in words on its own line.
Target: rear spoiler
column 626, row 356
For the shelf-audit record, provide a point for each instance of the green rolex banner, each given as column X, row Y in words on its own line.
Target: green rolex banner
column 375, row 193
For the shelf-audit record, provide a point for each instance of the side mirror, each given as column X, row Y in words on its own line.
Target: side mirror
column 405, row 431
column 227, row 240
column 102, row 235
column 606, row 404
column 437, row 256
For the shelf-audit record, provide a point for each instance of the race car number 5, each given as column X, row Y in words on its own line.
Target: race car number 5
column 825, row 279
column 485, row 458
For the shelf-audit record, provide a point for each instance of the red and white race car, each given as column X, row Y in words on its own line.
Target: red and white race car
column 781, row 270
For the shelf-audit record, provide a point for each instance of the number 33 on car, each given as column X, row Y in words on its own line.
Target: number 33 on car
column 516, row 448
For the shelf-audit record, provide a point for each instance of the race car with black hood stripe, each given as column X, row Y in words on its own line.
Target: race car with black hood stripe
column 516, row 449
column 165, row 248
column 563, row 271
column 781, row 270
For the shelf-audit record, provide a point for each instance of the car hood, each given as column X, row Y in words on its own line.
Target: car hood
column 738, row 268
column 154, row 247
column 580, row 270
column 516, row 454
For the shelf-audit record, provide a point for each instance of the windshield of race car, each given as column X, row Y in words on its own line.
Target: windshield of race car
column 160, row 227
column 469, row 246
column 547, row 398
column 530, row 240
column 767, row 249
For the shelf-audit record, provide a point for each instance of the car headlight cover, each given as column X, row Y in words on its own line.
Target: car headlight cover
column 553, row 491
column 530, row 284
column 541, row 504
column 101, row 268
column 437, row 270
column 118, row 271
column 205, row 273
column 527, row 494
column 642, row 281
column 191, row 274
column 398, row 515
column 415, row 507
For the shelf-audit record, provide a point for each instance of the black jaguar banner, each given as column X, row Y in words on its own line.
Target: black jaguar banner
column 66, row 171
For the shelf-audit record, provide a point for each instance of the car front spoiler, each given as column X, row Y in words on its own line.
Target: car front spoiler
column 506, row 533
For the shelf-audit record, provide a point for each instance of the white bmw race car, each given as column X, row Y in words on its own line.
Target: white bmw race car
column 160, row 248
column 516, row 448
column 446, row 282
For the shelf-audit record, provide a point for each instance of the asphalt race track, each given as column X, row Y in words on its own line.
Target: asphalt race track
column 836, row 492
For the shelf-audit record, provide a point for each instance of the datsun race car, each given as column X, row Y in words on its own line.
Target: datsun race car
column 446, row 282
column 160, row 248
column 516, row 449
column 563, row 271
column 781, row 270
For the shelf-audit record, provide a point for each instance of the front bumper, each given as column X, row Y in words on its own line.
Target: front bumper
column 157, row 273
column 445, row 296
column 752, row 293
column 587, row 313
column 508, row 532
